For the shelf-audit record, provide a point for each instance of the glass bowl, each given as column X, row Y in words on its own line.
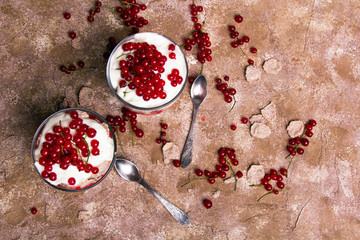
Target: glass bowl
column 129, row 97
column 73, row 153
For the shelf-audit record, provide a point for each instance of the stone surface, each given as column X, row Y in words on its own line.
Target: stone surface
column 317, row 44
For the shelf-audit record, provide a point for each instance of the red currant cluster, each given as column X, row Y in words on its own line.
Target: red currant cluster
column 94, row 10
column 161, row 139
column 200, row 37
column 119, row 123
column 294, row 143
column 275, row 176
column 129, row 14
column 227, row 159
column 229, row 93
column 141, row 71
column 72, row 67
column 240, row 41
column 63, row 148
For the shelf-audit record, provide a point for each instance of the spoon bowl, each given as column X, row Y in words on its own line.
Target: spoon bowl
column 129, row 171
column 198, row 90
column 198, row 94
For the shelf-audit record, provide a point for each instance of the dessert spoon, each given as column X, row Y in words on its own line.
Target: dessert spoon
column 198, row 93
column 129, row 171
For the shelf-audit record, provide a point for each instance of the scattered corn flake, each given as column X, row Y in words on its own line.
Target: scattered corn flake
column 272, row 66
column 255, row 174
column 269, row 112
column 252, row 73
column 295, row 128
column 170, row 152
column 260, row 130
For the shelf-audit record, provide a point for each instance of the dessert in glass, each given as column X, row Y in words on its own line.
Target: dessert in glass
column 147, row 72
column 74, row 149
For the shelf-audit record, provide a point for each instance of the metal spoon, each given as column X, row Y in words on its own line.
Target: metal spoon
column 198, row 93
column 129, row 171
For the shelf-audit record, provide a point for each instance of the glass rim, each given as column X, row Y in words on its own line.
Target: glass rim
column 40, row 128
column 169, row 103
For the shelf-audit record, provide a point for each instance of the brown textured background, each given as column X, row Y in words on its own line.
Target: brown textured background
column 317, row 43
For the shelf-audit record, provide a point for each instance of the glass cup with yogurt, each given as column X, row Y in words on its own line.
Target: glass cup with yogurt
column 147, row 72
column 74, row 149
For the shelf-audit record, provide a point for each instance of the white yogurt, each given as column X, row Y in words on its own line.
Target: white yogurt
column 102, row 161
column 162, row 44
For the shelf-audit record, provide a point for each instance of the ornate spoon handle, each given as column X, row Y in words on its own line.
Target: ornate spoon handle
column 176, row 212
column 186, row 155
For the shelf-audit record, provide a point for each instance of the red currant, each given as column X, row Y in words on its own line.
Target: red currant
column 34, row 210
column 283, row 171
column 238, row 19
column 207, row 203
column 72, row 35
column 312, row 122
column 211, row 180
column 268, row 187
column 309, row 133
column 253, row 50
column 176, row 163
column 233, row 127
column 71, row 181
column 199, row 172
column 280, row 185
column 300, row 150
column 67, row 15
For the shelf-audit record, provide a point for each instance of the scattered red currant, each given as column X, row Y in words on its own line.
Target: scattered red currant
column 176, row 163
column 34, row 210
column 67, row 15
column 207, row 203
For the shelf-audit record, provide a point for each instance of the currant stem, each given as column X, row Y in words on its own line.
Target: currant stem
column 132, row 134
column 127, row 3
column 118, row 137
column 244, row 53
column 264, row 195
column 202, row 68
column 296, row 147
column 124, row 54
column 232, row 170
column 232, row 105
column 287, row 169
column 88, row 150
column 193, row 180
column 259, row 185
